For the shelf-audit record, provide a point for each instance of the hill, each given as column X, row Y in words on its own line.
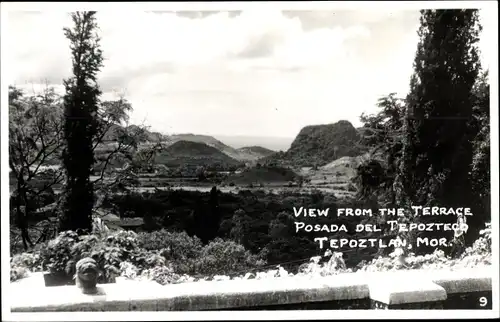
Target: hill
column 264, row 175
column 116, row 130
column 256, row 152
column 317, row 145
column 243, row 154
column 274, row 143
column 194, row 154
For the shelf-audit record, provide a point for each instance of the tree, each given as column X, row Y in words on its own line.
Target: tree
column 241, row 226
column 209, row 222
column 282, row 226
column 480, row 134
column 80, row 127
column 437, row 152
column 200, row 173
column 35, row 142
column 382, row 132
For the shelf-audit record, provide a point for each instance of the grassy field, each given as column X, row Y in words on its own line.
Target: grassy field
column 334, row 178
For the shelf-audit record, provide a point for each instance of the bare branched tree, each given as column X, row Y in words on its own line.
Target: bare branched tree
column 35, row 147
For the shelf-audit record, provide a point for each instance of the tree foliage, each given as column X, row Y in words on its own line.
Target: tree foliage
column 35, row 142
column 80, row 127
column 480, row 133
column 432, row 148
column 439, row 148
column 382, row 132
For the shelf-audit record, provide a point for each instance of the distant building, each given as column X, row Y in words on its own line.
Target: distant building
column 113, row 222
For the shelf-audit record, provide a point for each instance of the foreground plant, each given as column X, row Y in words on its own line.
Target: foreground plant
column 120, row 254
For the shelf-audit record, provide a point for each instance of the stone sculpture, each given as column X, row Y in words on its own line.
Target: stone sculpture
column 86, row 275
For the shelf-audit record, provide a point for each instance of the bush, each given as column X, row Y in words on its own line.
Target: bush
column 180, row 249
column 31, row 261
column 482, row 246
column 161, row 274
column 22, row 264
column 108, row 257
column 57, row 254
column 62, row 254
column 129, row 270
column 179, row 245
column 18, row 272
column 171, row 257
column 225, row 256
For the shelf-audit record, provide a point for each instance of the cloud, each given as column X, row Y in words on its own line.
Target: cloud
column 133, row 41
column 202, row 14
column 120, row 79
column 252, row 72
column 316, row 19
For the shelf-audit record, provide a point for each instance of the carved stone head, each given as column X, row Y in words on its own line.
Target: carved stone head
column 86, row 275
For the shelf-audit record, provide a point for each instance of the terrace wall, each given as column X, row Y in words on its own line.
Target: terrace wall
column 416, row 289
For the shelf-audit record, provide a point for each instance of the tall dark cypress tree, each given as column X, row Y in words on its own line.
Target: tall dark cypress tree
column 80, row 104
column 437, row 153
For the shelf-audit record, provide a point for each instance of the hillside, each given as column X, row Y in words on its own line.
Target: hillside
column 257, row 152
column 243, row 154
column 317, row 145
column 115, row 131
column 264, row 175
column 194, row 154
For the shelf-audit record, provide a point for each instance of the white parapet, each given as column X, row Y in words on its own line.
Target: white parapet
column 396, row 288
column 391, row 288
column 464, row 281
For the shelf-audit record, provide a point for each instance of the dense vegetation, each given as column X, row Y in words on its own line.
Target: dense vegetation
column 432, row 141
column 170, row 257
column 260, row 175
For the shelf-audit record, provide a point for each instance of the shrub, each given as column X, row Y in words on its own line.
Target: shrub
column 31, row 261
column 129, row 270
column 57, row 254
column 482, row 246
column 179, row 244
column 18, row 272
column 22, row 264
column 172, row 257
column 126, row 240
column 179, row 249
column 62, row 253
column 225, row 256
column 161, row 274
column 107, row 257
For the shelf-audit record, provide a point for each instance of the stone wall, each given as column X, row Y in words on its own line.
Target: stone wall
column 416, row 289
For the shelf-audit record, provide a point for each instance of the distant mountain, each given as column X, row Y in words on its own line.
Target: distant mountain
column 317, row 145
column 194, row 154
column 272, row 143
column 247, row 154
column 242, row 154
column 257, row 152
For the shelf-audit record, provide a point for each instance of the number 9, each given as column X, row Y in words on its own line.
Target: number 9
column 483, row 301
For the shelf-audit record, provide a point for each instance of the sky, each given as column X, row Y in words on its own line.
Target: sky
column 265, row 73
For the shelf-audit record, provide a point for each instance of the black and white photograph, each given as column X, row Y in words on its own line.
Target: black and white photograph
column 273, row 160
